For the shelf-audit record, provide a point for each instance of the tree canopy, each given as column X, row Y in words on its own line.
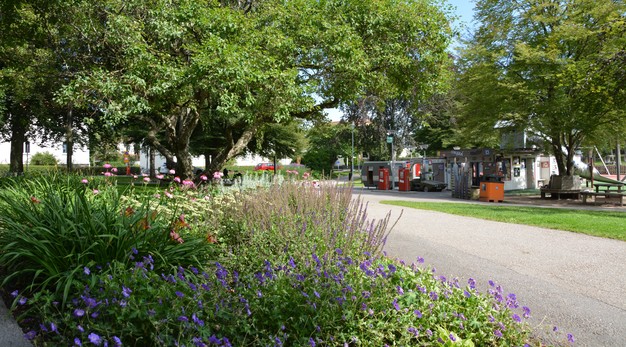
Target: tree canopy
column 548, row 67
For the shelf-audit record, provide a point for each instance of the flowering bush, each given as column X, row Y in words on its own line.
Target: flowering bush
column 51, row 228
column 297, row 266
column 368, row 302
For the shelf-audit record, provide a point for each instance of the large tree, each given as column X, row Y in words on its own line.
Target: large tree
column 535, row 65
column 232, row 69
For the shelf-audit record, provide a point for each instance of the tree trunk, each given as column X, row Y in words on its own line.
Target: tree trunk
column 18, row 136
column 152, row 169
column 69, row 140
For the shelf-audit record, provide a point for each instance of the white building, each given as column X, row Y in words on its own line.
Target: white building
column 58, row 150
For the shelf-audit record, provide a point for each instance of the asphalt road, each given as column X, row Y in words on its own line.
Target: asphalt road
column 572, row 281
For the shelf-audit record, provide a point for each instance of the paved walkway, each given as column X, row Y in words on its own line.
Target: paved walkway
column 572, row 281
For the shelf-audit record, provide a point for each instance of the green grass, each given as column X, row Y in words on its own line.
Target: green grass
column 605, row 224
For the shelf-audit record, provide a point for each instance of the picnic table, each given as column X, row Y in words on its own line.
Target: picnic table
column 606, row 187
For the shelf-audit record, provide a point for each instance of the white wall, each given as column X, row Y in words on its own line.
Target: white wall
column 80, row 156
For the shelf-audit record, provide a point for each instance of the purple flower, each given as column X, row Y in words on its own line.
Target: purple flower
column 417, row 313
column 452, row 338
column 53, row 327
column 433, row 296
column 183, row 319
column 516, row 318
column 86, row 270
column 94, row 339
column 497, row 333
column 14, row 293
column 179, row 294
column 311, row 342
column 400, row 290
column 79, row 312
column 126, row 292
column 22, row 300
column 526, row 313
column 420, row 260
column 472, row 283
column 77, row 342
column 30, row 335
column 117, row 342
column 395, row 304
column 570, row 338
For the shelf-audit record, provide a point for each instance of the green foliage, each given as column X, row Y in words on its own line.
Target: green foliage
column 52, row 227
column 300, row 265
column 43, row 158
column 542, row 68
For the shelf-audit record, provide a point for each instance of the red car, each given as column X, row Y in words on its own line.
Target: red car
column 265, row 166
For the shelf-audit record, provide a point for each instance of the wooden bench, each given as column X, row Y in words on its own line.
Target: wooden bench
column 606, row 195
column 560, row 193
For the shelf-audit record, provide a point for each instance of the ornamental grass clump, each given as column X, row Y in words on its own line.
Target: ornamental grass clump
column 294, row 219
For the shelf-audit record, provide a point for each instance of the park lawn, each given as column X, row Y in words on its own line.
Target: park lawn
column 605, row 224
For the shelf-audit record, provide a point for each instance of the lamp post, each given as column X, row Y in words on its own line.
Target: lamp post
column 352, row 154
column 424, row 147
column 390, row 134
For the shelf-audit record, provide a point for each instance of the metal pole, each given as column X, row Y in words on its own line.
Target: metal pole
column 352, row 154
column 619, row 161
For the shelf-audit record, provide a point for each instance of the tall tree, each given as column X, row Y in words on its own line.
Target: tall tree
column 534, row 65
column 233, row 69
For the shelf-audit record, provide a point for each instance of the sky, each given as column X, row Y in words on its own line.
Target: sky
column 464, row 9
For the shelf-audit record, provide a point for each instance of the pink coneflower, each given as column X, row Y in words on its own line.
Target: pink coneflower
column 146, row 179
column 159, row 177
column 188, row 183
column 168, row 194
column 172, row 171
column 84, row 181
column 108, row 174
column 177, row 179
column 204, row 178
column 107, row 166
column 114, row 169
column 96, row 191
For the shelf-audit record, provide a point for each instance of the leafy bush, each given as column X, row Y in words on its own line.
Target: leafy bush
column 371, row 302
column 43, row 158
column 299, row 265
column 50, row 229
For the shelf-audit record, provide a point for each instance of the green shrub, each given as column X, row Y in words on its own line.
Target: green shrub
column 43, row 158
column 53, row 227
column 314, row 301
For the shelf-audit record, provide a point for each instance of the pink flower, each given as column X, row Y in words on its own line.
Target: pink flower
column 96, row 191
column 134, row 177
column 168, row 194
column 114, row 169
column 84, row 181
column 159, row 177
column 188, row 183
column 217, row 175
column 172, row 171
column 157, row 195
column 204, row 178
column 177, row 179
column 107, row 166
column 146, row 179
column 108, row 174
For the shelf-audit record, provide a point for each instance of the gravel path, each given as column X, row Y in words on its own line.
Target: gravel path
column 572, row 281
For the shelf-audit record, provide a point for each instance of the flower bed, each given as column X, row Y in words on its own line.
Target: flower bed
column 289, row 264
